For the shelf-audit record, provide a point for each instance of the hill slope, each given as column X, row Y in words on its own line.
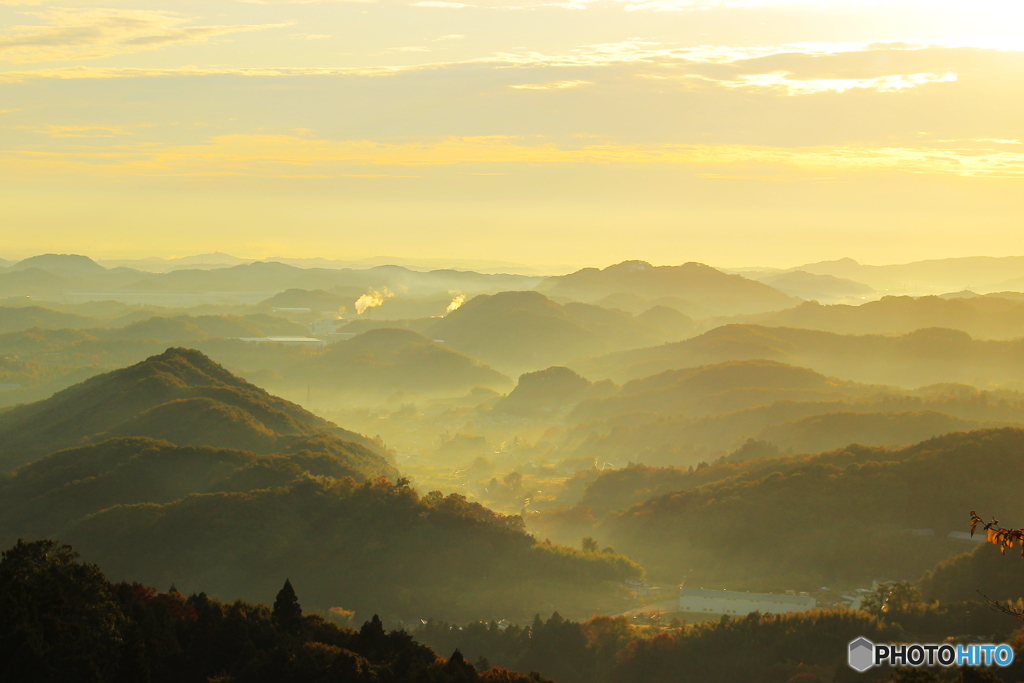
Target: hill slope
column 841, row 517
column 44, row 497
column 26, row 317
column 925, row 356
column 720, row 388
column 694, row 282
column 834, row 430
column 382, row 361
column 180, row 395
column 982, row 317
column 234, row 523
column 528, row 331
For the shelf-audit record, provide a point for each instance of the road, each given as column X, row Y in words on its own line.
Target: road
column 671, row 605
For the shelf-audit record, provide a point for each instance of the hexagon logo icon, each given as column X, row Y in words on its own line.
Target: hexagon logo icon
column 862, row 654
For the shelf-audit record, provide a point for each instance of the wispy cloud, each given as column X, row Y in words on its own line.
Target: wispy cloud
column 699, row 5
column 91, row 73
column 807, row 68
column 73, row 34
column 557, row 85
column 440, row 4
column 295, row 2
column 284, row 155
column 85, row 131
column 791, row 86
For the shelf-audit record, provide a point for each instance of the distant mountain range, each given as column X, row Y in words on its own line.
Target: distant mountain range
column 53, row 274
column 922, row 357
column 220, row 260
column 692, row 285
column 822, row 288
column 521, row 331
column 691, row 289
column 993, row 316
column 380, row 362
column 694, row 282
column 982, row 274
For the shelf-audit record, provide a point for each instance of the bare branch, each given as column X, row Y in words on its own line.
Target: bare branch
column 1014, row 612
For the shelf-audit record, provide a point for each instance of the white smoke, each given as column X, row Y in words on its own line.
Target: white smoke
column 372, row 300
column 456, row 302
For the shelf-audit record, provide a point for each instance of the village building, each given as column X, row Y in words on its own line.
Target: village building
column 705, row 601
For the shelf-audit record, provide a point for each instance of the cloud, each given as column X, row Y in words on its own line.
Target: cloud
column 85, row 131
column 295, row 2
column 668, row 60
column 791, row 86
column 73, row 34
column 309, row 36
column 700, row 5
column 557, row 85
column 440, row 4
column 999, row 141
column 282, row 156
column 91, row 73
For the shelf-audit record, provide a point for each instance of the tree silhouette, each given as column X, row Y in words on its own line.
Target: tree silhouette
column 459, row 669
column 287, row 611
column 60, row 620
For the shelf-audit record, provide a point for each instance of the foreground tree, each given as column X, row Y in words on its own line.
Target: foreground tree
column 59, row 619
column 287, row 610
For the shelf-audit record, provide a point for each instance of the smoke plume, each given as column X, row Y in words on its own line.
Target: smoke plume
column 372, row 300
column 456, row 302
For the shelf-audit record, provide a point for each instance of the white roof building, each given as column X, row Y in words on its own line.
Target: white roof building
column 294, row 341
column 734, row 603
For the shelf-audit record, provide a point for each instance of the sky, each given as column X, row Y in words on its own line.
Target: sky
column 730, row 132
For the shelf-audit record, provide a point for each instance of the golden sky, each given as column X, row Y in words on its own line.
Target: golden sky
column 732, row 132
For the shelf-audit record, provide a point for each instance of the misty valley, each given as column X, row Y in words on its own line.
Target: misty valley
column 283, row 471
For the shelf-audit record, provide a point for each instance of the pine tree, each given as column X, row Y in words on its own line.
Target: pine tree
column 459, row 669
column 287, row 611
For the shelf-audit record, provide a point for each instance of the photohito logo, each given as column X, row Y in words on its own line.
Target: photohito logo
column 864, row 654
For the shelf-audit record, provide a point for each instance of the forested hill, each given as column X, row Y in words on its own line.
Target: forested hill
column 183, row 397
column 845, row 517
column 280, row 495
column 380, row 362
column 721, row 388
column 63, row 621
column 924, row 356
column 234, row 524
column 695, row 283
column 44, row 497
